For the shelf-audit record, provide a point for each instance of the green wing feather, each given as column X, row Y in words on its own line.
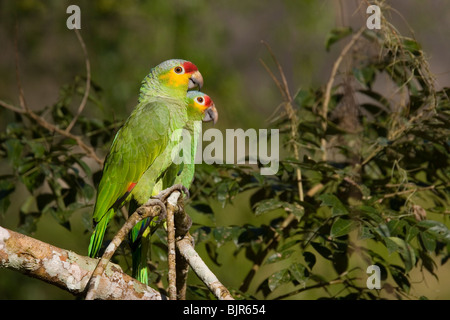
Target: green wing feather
column 136, row 146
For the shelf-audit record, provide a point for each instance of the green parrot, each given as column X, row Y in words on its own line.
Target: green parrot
column 200, row 108
column 146, row 134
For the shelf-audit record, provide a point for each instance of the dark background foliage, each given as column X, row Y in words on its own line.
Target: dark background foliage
column 378, row 194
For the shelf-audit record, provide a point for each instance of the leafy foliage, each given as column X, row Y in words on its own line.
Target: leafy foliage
column 376, row 191
column 57, row 177
column 384, row 183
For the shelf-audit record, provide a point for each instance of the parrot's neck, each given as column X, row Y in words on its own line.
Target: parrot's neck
column 151, row 87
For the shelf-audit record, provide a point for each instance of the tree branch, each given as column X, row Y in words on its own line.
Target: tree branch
column 172, row 207
column 186, row 248
column 67, row 270
column 78, row 274
column 327, row 96
column 52, row 128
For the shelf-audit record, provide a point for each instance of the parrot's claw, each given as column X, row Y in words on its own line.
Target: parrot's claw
column 163, row 195
column 157, row 202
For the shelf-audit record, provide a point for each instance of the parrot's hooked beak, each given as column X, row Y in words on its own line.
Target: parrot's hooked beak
column 196, row 80
column 211, row 114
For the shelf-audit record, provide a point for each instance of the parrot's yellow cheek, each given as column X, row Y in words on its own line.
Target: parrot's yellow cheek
column 200, row 107
column 175, row 80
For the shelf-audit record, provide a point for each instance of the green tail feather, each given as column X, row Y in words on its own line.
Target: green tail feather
column 139, row 257
column 98, row 235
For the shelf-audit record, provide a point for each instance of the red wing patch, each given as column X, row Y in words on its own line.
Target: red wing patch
column 119, row 201
column 131, row 185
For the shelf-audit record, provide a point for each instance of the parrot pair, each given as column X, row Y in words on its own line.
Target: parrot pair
column 139, row 163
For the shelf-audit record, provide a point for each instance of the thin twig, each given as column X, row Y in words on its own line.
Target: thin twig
column 398, row 193
column 22, row 101
column 327, row 96
column 280, row 70
column 288, row 101
column 11, row 107
column 88, row 82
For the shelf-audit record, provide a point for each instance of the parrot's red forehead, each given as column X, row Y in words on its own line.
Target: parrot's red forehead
column 207, row 100
column 189, row 67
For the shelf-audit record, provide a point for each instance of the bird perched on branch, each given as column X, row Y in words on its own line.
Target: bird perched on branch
column 146, row 134
column 200, row 108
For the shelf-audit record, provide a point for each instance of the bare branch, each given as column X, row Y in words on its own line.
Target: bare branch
column 66, row 269
column 182, row 268
column 22, row 101
column 330, row 82
column 186, row 248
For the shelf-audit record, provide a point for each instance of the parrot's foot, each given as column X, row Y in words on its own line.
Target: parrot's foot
column 156, row 202
column 163, row 195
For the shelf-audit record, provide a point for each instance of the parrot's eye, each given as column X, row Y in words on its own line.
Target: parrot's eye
column 178, row 69
column 200, row 100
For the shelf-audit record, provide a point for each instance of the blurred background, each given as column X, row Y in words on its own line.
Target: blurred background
column 124, row 39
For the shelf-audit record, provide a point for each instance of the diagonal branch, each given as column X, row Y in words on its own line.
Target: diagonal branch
column 186, row 249
column 67, row 270
column 52, row 128
column 330, row 82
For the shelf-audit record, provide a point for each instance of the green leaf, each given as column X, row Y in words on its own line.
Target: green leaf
column 383, row 230
column 279, row 278
column 405, row 250
column 224, row 234
column 267, row 206
column 400, row 277
column 428, row 241
column 412, row 46
column 411, row 233
column 437, row 229
column 273, row 204
column 341, row 227
column 295, row 209
column 365, row 75
column 335, row 35
column 366, row 233
column 337, row 207
column 395, row 226
column 14, row 148
column 372, row 213
column 390, row 245
column 299, row 273
column 37, row 148
column 277, row 256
